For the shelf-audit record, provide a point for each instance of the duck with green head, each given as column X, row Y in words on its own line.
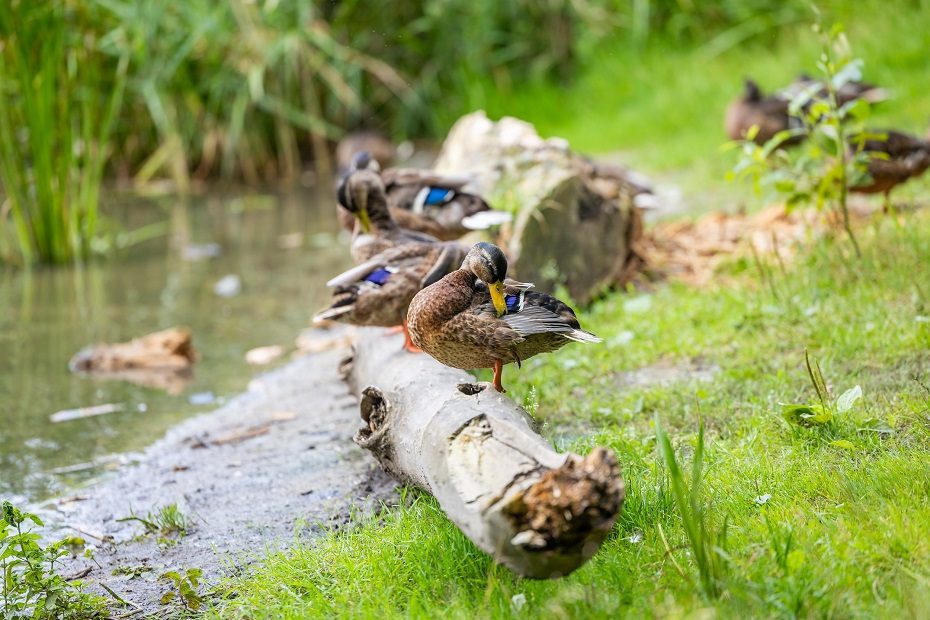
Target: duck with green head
column 476, row 318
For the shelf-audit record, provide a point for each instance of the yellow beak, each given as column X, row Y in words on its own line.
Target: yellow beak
column 497, row 297
column 364, row 220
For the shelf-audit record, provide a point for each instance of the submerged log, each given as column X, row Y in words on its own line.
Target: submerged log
column 538, row 512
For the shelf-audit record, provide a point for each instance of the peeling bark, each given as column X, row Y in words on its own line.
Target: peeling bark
column 540, row 513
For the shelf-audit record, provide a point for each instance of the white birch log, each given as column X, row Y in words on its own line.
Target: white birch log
column 538, row 512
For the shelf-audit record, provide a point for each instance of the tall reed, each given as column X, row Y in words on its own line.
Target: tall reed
column 57, row 112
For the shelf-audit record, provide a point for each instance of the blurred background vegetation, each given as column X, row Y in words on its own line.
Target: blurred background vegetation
column 256, row 90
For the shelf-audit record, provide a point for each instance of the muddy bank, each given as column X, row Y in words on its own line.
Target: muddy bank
column 275, row 462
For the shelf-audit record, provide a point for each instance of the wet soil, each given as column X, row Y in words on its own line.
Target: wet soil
column 274, row 464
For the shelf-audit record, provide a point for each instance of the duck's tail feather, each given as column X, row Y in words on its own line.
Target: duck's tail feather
column 331, row 314
column 482, row 220
column 580, row 335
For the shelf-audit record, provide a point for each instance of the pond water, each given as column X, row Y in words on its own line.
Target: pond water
column 282, row 248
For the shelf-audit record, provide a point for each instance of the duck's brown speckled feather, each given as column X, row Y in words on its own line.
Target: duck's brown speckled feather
column 455, row 322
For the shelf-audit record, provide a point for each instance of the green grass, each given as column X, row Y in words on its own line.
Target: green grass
column 782, row 520
column 660, row 108
column 844, row 532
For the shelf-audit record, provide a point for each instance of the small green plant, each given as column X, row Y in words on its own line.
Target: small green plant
column 31, row 586
column 708, row 544
column 184, row 588
column 824, row 411
column 168, row 523
column 133, row 572
column 831, row 158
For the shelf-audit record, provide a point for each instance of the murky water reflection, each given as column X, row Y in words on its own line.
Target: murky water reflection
column 282, row 248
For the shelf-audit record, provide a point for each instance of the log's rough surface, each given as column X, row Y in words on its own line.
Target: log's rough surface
column 541, row 513
column 576, row 222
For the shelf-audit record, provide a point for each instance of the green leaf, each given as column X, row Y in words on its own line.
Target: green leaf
column 843, row 444
column 167, row 598
column 874, row 425
column 806, row 415
column 847, row 399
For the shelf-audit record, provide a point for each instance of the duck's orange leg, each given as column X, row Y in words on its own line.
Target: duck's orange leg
column 498, row 371
column 408, row 341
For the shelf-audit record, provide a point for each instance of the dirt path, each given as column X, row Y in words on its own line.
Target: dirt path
column 275, row 462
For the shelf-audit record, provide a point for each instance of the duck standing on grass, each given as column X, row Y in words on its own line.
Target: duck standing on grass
column 473, row 318
column 378, row 291
column 893, row 159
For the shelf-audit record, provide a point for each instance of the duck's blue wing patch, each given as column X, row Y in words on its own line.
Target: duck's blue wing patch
column 438, row 195
column 513, row 302
column 378, row 276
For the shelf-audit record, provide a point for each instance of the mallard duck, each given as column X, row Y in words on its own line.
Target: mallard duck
column 768, row 112
column 850, row 91
column 369, row 141
column 475, row 318
column 434, row 204
column 771, row 112
column 378, row 291
column 901, row 157
column 362, row 194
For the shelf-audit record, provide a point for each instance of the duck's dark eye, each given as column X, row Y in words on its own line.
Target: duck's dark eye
column 342, row 195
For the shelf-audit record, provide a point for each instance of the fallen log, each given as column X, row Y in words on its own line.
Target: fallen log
column 538, row 512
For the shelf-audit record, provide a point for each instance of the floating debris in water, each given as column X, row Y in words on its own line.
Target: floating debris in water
column 84, row 412
column 290, row 241
column 199, row 399
column 228, row 286
column 196, row 252
column 260, row 356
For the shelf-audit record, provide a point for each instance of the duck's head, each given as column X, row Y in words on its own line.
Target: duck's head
column 362, row 193
column 488, row 264
column 751, row 91
column 363, row 160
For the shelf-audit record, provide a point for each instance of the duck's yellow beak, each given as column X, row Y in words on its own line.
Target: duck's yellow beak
column 497, row 296
column 364, row 220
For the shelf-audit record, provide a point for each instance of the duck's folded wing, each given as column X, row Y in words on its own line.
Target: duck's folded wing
column 447, row 260
column 391, row 259
column 539, row 320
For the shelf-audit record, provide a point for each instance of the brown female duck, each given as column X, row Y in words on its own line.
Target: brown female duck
column 473, row 318
column 378, row 291
column 767, row 112
column 434, row 204
column 771, row 112
column 362, row 194
column 900, row 157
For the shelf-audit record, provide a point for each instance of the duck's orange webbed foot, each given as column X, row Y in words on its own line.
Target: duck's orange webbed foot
column 408, row 341
column 498, row 371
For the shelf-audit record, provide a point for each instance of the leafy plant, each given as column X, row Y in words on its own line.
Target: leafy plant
column 184, row 588
column 826, row 409
column 830, row 158
column 31, row 586
column 708, row 544
column 168, row 522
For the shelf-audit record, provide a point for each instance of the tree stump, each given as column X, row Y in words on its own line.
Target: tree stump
column 575, row 221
